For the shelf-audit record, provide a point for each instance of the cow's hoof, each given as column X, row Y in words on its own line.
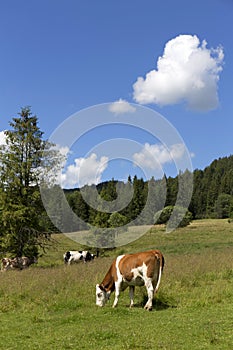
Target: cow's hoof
column 148, row 308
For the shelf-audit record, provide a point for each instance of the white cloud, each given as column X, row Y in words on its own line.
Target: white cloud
column 121, row 107
column 187, row 71
column 64, row 150
column 84, row 171
column 155, row 156
column 2, row 138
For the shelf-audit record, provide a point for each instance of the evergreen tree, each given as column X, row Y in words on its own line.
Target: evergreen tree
column 22, row 167
column 79, row 207
column 172, row 190
column 198, row 201
column 108, row 192
column 223, row 206
column 138, row 201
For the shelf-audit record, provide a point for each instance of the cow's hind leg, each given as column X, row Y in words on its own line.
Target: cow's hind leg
column 150, row 293
column 131, row 295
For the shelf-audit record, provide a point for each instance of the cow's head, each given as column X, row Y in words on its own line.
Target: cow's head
column 102, row 295
column 66, row 257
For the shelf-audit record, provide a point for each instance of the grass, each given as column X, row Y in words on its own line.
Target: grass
column 52, row 306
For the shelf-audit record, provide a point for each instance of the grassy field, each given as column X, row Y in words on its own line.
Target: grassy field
column 52, row 306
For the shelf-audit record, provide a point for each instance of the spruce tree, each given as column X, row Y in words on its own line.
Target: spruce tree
column 22, row 167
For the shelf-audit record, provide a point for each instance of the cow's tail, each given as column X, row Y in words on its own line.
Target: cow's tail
column 160, row 257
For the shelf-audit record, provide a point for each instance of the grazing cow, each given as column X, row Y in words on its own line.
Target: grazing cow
column 74, row 256
column 132, row 270
column 17, row 263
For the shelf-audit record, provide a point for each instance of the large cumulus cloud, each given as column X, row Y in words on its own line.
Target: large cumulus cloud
column 186, row 72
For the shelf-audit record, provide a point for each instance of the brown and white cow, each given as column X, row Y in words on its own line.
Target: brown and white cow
column 130, row 270
column 17, row 263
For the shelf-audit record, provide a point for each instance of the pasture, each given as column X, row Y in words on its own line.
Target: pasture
column 52, row 306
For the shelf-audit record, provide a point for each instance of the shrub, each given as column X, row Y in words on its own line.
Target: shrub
column 181, row 217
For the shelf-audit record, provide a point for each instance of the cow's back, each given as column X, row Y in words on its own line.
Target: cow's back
column 129, row 262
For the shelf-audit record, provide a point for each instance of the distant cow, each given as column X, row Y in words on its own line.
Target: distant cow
column 6, row 262
column 132, row 270
column 74, row 256
column 17, row 263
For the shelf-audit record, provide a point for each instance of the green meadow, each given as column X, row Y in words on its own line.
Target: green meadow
column 52, row 306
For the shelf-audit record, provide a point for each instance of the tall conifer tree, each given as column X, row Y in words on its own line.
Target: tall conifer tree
column 22, row 167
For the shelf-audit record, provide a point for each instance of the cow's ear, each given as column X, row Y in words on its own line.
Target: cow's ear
column 99, row 286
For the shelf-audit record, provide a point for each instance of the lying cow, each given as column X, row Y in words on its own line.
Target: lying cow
column 6, row 262
column 74, row 256
column 17, row 263
column 132, row 270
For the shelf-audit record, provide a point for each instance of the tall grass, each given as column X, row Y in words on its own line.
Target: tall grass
column 52, row 306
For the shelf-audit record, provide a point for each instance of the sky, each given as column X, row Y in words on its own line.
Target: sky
column 123, row 87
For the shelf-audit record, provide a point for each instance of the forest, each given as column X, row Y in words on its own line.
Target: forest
column 212, row 195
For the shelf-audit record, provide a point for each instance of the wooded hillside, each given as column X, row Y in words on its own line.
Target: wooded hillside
column 213, row 190
column 212, row 195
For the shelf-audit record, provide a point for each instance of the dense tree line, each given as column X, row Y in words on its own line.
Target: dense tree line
column 212, row 195
column 213, row 190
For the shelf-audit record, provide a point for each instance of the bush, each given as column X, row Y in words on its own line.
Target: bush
column 181, row 217
column 117, row 220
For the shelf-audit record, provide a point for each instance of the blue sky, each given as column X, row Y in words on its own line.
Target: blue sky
column 63, row 57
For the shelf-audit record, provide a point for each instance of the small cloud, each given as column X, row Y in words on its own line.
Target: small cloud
column 2, row 138
column 155, row 156
column 64, row 150
column 187, row 71
column 84, row 171
column 121, row 107
column 192, row 155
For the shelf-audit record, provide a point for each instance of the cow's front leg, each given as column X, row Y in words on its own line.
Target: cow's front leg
column 131, row 295
column 117, row 293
